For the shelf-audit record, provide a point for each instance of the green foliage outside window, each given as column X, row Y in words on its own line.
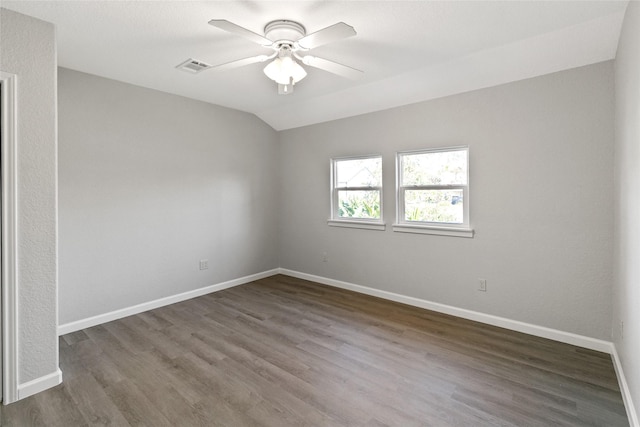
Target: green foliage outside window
column 444, row 206
column 359, row 204
column 434, row 169
column 357, row 186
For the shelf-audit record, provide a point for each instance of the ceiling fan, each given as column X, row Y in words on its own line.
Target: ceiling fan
column 289, row 41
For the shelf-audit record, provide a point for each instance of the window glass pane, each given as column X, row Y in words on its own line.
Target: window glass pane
column 359, row 172
column 359, row 204
column 434, row 206
column 437, row 168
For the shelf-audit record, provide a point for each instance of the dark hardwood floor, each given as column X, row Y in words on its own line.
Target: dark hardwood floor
column 287, row 352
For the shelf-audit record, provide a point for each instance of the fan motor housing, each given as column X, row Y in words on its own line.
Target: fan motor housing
column 284, row 31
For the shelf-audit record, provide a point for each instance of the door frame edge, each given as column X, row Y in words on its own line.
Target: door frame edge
column 9, row 243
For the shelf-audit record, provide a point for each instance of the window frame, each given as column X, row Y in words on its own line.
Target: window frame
column 431, row 227
column 335, row 219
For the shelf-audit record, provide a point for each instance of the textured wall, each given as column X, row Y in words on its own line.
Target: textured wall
column 29, row 51
column 541, row 158
column 151, row 183
column 626, row 291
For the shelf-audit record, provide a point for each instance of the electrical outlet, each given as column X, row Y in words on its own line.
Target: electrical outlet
column 482, row 285
column 204, row 264
column 325, row 258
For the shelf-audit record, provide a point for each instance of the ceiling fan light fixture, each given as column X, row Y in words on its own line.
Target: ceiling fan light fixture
column 288, row 39
column 285, row 89
column 284, row 69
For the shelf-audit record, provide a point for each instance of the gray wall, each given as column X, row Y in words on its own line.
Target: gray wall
column 151, row 183
column 28, row 48
column 626, row 291
column 541, row 157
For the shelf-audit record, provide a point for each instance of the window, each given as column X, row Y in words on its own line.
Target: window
column 356, row 192
column 433, row 192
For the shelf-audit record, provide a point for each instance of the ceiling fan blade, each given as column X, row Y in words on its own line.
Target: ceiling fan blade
column 332, row 67
column 223, row 24
column 241, row 62
column 330, row 34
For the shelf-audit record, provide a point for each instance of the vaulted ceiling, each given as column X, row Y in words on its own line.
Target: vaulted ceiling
column 410, row 51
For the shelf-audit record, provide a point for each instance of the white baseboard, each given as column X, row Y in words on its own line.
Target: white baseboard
column 515, row 325
column 139, row 308
column 43, row 383
column 540, row 331
column 624, row 389
column 39, row 384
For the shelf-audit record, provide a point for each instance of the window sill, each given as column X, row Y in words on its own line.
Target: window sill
column 439, row 231
column 367, row 225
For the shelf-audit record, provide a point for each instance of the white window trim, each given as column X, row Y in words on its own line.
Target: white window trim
column 335, row 220
column 367, row 225
column 441, row 229
column 432, row 229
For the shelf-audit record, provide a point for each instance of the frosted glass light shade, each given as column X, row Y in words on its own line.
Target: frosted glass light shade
column 283, row 69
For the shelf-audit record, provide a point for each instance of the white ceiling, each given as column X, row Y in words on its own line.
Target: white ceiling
column 410, row 51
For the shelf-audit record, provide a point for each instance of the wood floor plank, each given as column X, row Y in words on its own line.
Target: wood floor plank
column 134, row 404
column 92, row 402
column 24, row 413
column 283, row 351
column 60, row 407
